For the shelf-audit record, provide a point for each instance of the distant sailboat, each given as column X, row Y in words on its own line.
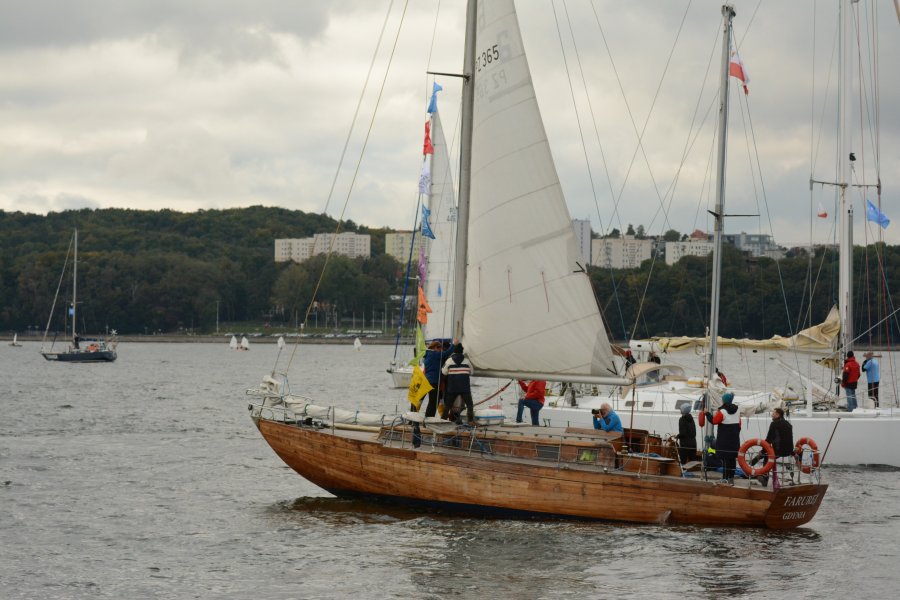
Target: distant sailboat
column 357, row 345
column 82, row 349
column 233, row 344
column 15, row 343
column 245, row 343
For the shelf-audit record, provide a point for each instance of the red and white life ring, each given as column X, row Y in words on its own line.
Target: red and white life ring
column 770, row 460
column 798, row 450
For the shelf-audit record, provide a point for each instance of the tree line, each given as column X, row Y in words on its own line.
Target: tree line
column 165, row 271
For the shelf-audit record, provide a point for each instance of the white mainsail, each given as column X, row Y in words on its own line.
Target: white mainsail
column 529, row 305
column 439, row 251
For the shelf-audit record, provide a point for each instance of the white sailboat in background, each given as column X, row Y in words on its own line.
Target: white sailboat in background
column 863, row 436
column 233, row 344
column 15, row 341
column 245, row 343
column 357, row 344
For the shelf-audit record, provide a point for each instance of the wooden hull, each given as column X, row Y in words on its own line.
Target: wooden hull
column 81, row 357
column 355, row 463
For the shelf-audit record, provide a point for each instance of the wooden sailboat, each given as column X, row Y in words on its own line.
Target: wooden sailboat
column 81, row 349
column 524, row 308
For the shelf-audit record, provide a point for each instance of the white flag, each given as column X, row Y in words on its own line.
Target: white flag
column 425, row 178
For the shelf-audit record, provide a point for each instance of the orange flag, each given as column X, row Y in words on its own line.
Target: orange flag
column 424, row 309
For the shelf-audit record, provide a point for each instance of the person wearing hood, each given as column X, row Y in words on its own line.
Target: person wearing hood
column 435, row 356
column 458, row 384
column 728, row 436
column 687, row 435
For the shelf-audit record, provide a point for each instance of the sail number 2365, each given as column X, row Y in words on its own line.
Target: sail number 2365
column 487, row 57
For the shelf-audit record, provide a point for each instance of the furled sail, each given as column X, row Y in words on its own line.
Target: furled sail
column 817, row 337
column 529, row 305
column 439, row 251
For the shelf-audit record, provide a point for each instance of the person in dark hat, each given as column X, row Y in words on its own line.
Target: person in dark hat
column 849, row 378
column 687, row 435
column 458, row 384
column 728, row 436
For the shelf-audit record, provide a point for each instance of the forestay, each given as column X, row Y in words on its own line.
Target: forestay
column 529, row 305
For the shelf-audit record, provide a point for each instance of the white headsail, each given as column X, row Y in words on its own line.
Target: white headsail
column 529, row 304
column 439, row 251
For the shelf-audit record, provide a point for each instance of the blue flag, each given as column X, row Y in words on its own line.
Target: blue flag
column 875, row 215
column 71, row 311
column 426, row 228
column 432, row 106
column 440, row 293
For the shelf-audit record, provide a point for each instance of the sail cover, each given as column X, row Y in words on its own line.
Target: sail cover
column 529, row 306
column 817, row 337
column 442, row 203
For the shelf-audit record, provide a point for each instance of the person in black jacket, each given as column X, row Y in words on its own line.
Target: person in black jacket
column 458, row 384
column 781, row 436
column 687, row 435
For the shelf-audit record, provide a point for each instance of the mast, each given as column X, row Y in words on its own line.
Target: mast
column 845, row 258
column 728, row 13
column 465, row 171
column 75, row 287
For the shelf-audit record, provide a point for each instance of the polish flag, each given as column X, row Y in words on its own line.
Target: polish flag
column 822, row 213
column 736, row 69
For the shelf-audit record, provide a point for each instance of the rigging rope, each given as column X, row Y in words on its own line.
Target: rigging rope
column 356, row 170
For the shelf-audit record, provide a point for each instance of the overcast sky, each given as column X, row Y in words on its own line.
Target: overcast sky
column 218, row 103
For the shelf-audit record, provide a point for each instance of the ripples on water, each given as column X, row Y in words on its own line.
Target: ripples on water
column 146, row 479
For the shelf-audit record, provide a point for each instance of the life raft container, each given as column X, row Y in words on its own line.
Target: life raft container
column 770, row 457
column 798, row 450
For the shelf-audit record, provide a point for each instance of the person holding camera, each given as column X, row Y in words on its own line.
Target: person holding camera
column 605, row 418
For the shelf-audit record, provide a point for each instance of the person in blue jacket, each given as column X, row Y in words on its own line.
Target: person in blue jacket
column 605, row 418
column 435, row 356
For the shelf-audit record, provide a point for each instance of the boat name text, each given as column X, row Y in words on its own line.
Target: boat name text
column 794, row 501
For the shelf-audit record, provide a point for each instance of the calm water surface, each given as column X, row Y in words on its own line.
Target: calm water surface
column 146, row 479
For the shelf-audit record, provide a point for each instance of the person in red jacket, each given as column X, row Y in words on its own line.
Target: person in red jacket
column 534, row 399
column 849, row 377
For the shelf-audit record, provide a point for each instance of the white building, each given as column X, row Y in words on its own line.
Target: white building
column 757, row 244
column 347, row 244
column 397, row 245
column 697, row 245
column 583, row 238
column 626, row 252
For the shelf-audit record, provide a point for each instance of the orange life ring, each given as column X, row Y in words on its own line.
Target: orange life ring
column 798, row 449
column 770, row 461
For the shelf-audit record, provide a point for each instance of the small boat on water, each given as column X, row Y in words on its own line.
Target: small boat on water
column 81, row 349
column 15, row 341
column 524, row 309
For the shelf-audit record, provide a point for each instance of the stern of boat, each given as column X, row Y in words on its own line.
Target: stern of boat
column 795, row 505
